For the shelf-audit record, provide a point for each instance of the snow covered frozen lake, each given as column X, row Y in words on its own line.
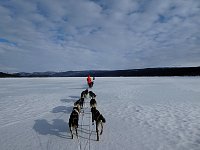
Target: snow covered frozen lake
column 150, row 113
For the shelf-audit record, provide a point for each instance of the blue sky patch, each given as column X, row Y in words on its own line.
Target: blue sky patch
column 3, row 40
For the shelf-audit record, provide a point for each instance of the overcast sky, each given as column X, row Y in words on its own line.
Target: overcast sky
column 62, row 35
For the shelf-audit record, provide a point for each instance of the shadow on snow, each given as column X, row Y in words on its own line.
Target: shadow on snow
column 67, row 100
column 72, row 99
column 62, row 109
column 58, row 127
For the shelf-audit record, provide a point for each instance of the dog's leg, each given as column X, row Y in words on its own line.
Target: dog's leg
column 76, row 132
column 97, row 130
column 71, row 132
column 101, row 128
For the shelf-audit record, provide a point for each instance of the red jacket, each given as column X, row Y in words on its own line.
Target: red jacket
column 89, row 80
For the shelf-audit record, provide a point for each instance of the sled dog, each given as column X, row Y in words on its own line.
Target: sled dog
column 92, row 94
column 73, row 121
column 93, row 103
column 84, row 94
column 99, row 119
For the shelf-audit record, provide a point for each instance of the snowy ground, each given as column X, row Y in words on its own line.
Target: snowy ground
column 156, row 113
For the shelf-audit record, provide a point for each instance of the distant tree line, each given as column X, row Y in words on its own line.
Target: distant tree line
column 183, row 71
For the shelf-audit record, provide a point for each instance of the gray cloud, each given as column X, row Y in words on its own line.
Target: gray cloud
column 98, row 34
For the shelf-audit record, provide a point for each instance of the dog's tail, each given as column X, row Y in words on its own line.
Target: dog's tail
column 103, row 119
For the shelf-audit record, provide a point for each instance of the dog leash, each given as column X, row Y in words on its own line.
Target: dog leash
column 79, row 141
column 82, row 126
column 89, row 130
column 88, row 141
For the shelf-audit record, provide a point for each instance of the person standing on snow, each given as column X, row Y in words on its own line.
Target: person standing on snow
column 89, row 81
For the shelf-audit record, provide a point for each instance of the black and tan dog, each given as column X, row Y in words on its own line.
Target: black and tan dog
column 93, row 103
column 79, row 103
column 73, row 121
column 92, row 95
column 99, row 119
column 84, row 94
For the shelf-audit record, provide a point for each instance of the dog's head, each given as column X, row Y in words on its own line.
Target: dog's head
column 92, row 94
column 86, row 91
column 93, row 101
column 77, row 108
